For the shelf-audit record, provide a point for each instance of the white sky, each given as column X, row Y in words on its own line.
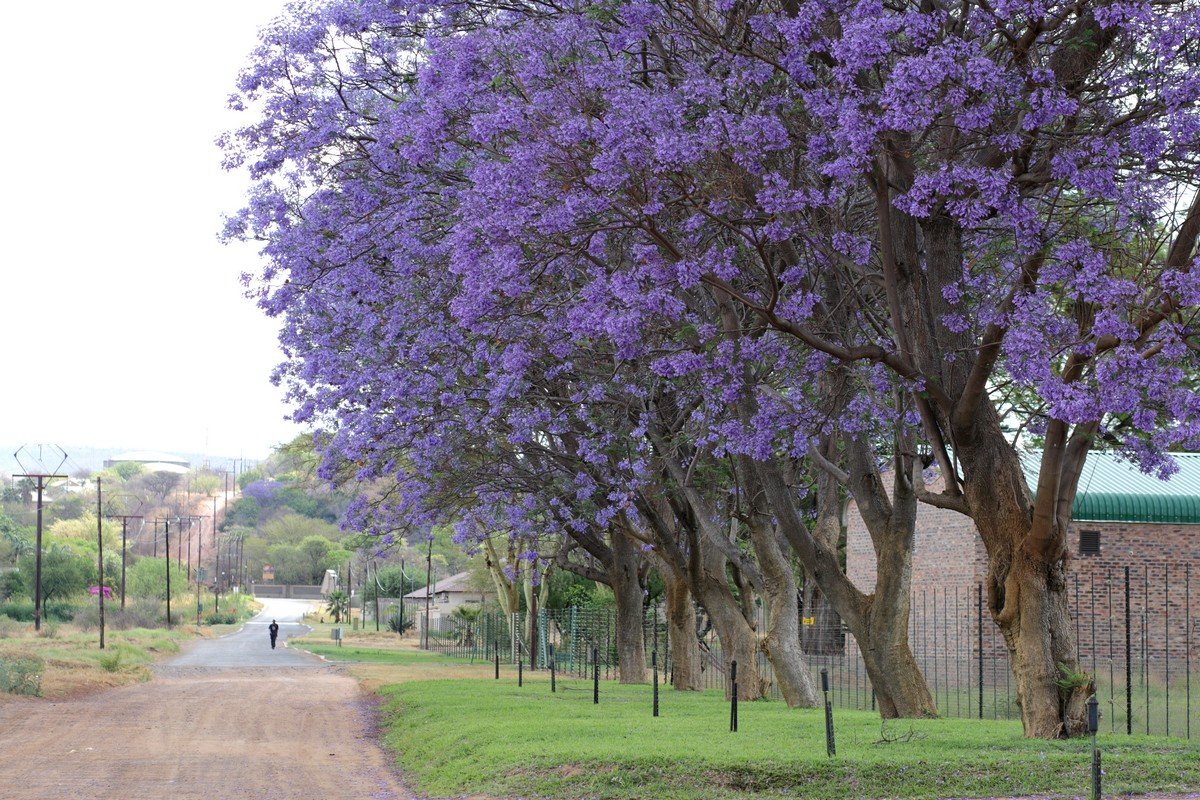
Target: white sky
column 122, row 318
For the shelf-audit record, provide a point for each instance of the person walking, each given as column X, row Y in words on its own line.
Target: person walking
column 273, row 629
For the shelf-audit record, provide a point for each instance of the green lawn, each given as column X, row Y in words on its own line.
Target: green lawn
column 478, row 735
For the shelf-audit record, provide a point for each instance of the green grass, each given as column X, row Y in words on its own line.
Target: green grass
column 478, row 735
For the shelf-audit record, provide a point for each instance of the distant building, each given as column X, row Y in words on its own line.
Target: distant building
column 448, row 594
column 152, row 461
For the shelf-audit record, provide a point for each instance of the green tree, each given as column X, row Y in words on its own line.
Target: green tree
column 206, row 485
column 336, row 560
column 392, row 583
column 127, row 470
column 290, row 563
column 64, row 572
column 248, row 477
column 243, row 512
column 71, row 506
column 316, row 549
column 147, row 577
column 292, row 528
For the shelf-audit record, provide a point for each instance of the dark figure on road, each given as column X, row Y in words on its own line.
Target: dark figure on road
column 273, row 628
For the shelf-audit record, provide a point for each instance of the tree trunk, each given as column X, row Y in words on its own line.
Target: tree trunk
column 739, row 641
column 623, row 577
column 682, row 642
column 1036, row 624
column 879, row 621
column 1026, row 585
column 782, row 640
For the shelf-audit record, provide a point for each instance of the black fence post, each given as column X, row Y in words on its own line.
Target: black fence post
column 733, row 697
column 1093, row 708
column 830, row 745
column 654, row 666
column 553, row 681
column 520, row 668
column 1128, row 662
column 979, row 642
column 595, row 676
column 496, row 652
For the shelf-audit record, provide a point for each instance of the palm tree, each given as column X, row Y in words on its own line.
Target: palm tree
column 338, row 604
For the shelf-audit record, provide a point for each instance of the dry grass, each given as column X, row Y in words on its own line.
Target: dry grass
column 73, row 658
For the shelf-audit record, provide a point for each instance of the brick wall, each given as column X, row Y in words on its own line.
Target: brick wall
column 949, row 563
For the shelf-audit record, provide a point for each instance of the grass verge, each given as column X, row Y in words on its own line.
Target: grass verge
column 483, row 736
column 72, row 661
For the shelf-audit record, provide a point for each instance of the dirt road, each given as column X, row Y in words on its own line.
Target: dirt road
column 231, row 731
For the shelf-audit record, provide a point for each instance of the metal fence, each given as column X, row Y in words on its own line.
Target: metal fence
column 1136, row 631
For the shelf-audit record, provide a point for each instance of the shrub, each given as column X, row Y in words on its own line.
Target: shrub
column 12, row 584
column 221, row 618
column 110, row 661
column 141, row 612
column 397, row 625
column 10, row 627
column 21, row 674
column 22, row 611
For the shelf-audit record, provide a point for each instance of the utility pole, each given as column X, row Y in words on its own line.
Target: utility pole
column 428, row 586
column 377, row 588
column 167, row 553
column 199, row 561
column 36, row 469
column 217, row 575
column 124, row 506
column 533, row 615
column 100, row 555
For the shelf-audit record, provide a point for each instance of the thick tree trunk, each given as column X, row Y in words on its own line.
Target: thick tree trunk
column 682, row 642
column 623, row 577
column 881, row 631
column 739, row 641
column 879, row 621
column 1037, row 628
column 1026, row 587
column 781, row 643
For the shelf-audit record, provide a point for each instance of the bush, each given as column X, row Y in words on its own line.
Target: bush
column 21, row 674
column 110, row 661
column 139, row 612
column 12, row 584
column 10, row 627
column 397, row 625
column 22, row 611
column 221, row 618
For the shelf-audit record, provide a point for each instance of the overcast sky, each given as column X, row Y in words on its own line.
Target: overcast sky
column 122, row 317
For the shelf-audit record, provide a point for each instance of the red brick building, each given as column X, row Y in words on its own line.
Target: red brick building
column 1122, row 519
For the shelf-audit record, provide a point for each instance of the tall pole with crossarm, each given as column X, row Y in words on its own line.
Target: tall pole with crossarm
column 33, row 460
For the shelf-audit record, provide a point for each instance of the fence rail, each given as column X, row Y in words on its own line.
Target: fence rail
column 1135, row 629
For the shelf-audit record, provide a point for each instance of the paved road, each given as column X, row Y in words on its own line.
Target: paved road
column 251, row 646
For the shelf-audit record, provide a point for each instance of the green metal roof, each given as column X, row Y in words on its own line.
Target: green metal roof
column 1112, row 490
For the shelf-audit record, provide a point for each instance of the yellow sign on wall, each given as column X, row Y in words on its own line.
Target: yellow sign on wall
column 809, row 620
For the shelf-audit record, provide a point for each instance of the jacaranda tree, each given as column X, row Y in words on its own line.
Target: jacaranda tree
column 909, row 217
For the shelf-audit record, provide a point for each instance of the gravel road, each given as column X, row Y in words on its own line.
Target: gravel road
column 229, row 719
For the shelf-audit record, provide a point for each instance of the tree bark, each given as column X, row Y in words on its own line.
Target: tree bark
column 682, row 642
column 739, row 641
column 627, row 588
column 1026, row 588
column 781, row 642
column 879, row 621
